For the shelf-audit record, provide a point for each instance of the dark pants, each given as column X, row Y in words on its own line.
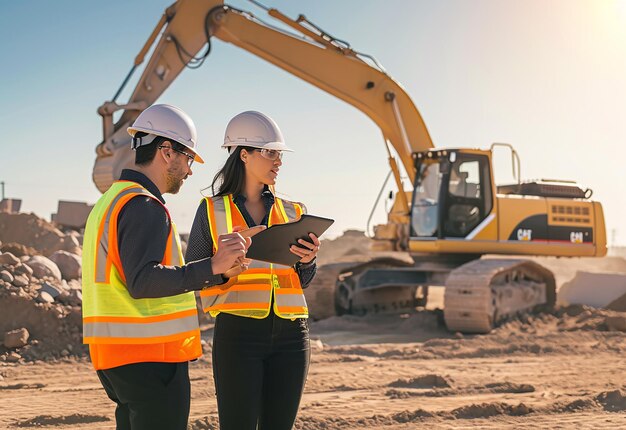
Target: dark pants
column 149, row 395
column 260, row 367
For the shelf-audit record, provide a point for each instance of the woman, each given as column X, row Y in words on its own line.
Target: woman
column 261, row 339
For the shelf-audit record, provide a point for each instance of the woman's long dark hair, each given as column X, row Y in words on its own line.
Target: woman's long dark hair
column 231, row 178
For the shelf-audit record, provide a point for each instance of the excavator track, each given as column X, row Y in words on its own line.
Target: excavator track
column 483, row 293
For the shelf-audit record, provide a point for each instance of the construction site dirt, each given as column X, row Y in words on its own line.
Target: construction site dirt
column 382, row 371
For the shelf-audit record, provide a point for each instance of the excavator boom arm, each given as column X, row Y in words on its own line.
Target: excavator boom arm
column 312, row 55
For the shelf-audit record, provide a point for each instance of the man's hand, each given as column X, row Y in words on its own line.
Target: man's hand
column 240, row 266
column 229, row 259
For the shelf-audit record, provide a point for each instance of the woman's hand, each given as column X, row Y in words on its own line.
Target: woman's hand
column 308, row 251
column 229, row 259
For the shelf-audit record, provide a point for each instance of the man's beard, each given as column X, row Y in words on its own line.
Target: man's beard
column 174, row 180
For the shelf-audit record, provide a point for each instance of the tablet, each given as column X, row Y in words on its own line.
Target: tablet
column 272, row 245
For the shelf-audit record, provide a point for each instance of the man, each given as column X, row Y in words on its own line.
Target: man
column 139, row 308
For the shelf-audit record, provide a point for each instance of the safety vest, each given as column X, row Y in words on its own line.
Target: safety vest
column 119, row 329
column 250, row 293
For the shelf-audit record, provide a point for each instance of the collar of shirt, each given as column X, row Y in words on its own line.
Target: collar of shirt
column 268, row 202
column 143, row 180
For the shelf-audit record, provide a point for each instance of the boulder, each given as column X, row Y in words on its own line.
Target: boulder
column 75, row 284
column 71, row 245
column 43, row 266
column 45, row 297
column 8, row 259
column 23, row 269
column 50, row 289
column 21, row 281
column 13, row 357
column 70, row 265
column 16, row 338
column 6, row 276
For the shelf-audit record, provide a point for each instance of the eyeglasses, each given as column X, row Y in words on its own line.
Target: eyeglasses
column 191, row 157
column 271, row 154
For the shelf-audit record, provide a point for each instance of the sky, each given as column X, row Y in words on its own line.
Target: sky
column 548, row 76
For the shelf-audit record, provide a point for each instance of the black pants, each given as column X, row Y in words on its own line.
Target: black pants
column 260, row 367
column 149, row 395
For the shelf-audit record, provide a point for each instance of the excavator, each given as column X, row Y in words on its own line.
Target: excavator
column 459, row 228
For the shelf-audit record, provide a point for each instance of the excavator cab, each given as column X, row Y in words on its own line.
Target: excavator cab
column 453, row 193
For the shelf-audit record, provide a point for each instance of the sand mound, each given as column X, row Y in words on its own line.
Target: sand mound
column 55, row 330
column 565, row 269
column 206, row 423
column 48, row 420
column 424, row 381
column 507, row 387
column 446, row 390
column 612, row 401
column 575, row 406
column 593, row 289
column 307, row 422
column 31, row 231
column 618, row 304
column 35, row 295
column 485, row 410
column 18, row 249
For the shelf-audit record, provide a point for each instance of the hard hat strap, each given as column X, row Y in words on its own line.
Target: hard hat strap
column 143, row 139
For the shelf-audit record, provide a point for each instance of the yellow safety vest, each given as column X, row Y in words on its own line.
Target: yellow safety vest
column 250, row 293
column 153, row 329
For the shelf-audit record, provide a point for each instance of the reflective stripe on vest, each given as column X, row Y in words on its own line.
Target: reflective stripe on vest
column 250, row 293
column 110, row 314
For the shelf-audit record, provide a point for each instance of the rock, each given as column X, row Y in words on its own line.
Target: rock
column 616, row 323
column 45, row 297
column 21, row 281
column 64, row 286
column 317, row 344
column 16, row 338
column 6, row 276
column 8, row 259
column 43, row 266
column 13, row 357
column 50, row 289
column 71, row 245
column 77, row 296
column 23, row 269
column 19, row 250
column 69, row 264
column 75, row 284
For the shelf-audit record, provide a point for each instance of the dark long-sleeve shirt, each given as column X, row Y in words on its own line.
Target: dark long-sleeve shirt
column 143, row 227
column 201, row 244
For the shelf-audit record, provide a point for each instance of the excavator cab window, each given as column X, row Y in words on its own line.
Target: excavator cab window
column 425, row 208
column 468, row 196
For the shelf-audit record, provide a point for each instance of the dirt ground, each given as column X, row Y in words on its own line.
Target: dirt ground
column 563, row 370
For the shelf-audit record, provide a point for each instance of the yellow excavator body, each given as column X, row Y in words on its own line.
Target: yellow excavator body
column 452, row 211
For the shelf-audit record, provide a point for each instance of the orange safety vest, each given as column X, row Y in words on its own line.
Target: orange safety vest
column 250, row 293
column 119, row 329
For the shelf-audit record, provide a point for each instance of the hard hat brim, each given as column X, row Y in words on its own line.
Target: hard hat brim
column 133, row 130
column 197, row 159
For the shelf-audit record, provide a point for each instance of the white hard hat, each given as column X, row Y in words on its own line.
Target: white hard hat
column 254, row 129
column 165, row 121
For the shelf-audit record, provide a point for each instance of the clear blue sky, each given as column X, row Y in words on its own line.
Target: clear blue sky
column 548, row 76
